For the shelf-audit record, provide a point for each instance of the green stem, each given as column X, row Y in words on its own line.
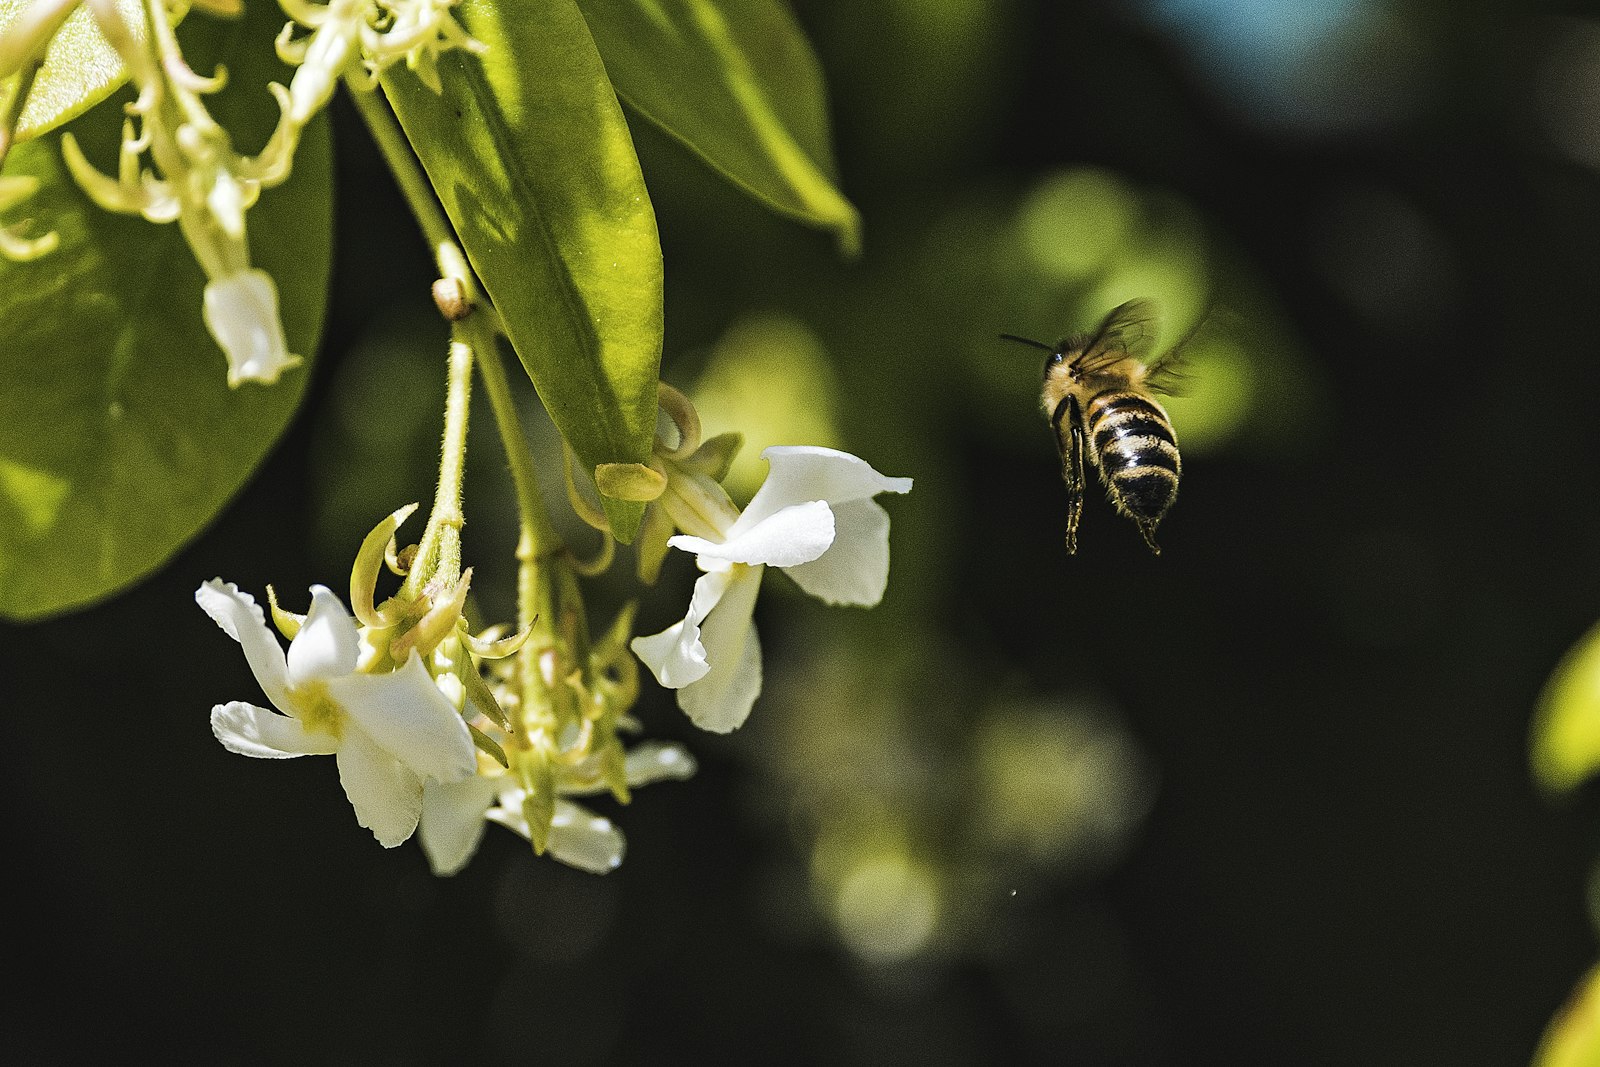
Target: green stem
column 478, row 329
column 439, row 552
column 539, row 547
column 414, row 184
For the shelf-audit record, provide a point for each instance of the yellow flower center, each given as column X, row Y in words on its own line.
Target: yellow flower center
column 317, row 710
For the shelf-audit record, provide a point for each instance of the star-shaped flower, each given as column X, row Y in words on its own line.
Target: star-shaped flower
column 815, row 518
column 388, row 731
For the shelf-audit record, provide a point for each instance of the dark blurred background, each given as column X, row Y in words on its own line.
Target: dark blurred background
column 1263, row 799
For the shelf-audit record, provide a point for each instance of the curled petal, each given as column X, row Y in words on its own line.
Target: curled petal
column 327, row 645
column 272, row 165
column 721, row 700
column 658, row 761
column 485, row 646
column 452, row 821
column 309, row 14
column 241, row 311
column 786, row 538
column 806, row 472
column 241, row 619
column 855, row 569
column 20, row 249
column 407, row 715
column 291, row 50
column 105, row 191
column 287, row 622
column 578, row 837
column 252, row 731
column 675, row 655
column 161, row 204
column 678, row 428
column 369, row 562
column 386, row 794
column 714, row 458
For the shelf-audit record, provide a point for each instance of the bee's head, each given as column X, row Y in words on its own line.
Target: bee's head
column 1054, row 360
column 1062, row 363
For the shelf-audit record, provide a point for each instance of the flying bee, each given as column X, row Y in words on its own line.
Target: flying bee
column 1098, row 397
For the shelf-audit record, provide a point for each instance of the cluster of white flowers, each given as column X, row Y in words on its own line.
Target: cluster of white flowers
column 395, row 694
column 193, row 176
column 423, row 744
column 365, row 37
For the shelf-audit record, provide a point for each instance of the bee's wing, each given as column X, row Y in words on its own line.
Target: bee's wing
column 1128, row 330
column 1168, row 374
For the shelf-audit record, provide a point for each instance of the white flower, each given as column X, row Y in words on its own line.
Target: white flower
column 453, row 814
column 387, row 731
column 814, row 517
column 241, row 311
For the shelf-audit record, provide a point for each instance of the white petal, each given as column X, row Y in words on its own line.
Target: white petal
column 580, row 838
column 386, row 794
column 791, row 536
column 675, row 655
column 241, row 311
column 452, row 821
column 252, row 731
column 328, row 644
column 241, row 619
column 658, row 761
column 805, row 472
column 405, row 714
column 721, row 700
column 855, row 569
column 508, row 813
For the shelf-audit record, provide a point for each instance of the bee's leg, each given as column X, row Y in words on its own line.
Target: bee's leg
column 1147, row 529
column 1070, row 445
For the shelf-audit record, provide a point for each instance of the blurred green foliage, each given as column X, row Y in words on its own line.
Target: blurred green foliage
column 118, row 440
column 1262, row 800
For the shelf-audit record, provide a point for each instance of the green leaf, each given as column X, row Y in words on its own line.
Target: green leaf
column 1573, row 1037
column 1566, row 729
column 736, row 81
column 119, row 436
column 80, row 69
column 532, row 160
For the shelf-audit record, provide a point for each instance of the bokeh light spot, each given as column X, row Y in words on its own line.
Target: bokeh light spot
column 768, row 377
column 1073, row 222
column 887, row 907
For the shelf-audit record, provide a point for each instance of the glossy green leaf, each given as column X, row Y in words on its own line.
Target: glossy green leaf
column 80, row 69
column 1573, row 1037
column 530, row 155
column 736, row 81
column 119, row 436
column 1566, row 729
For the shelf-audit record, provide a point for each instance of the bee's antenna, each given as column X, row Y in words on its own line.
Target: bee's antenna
column 1026, row 341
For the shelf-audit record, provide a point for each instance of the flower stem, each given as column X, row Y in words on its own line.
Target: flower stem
column 540, row 549
column 439, row 552
column 414, row 184
column 477, row 329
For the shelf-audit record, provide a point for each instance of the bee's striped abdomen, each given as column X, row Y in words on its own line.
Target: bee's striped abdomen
column 1132, row 443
